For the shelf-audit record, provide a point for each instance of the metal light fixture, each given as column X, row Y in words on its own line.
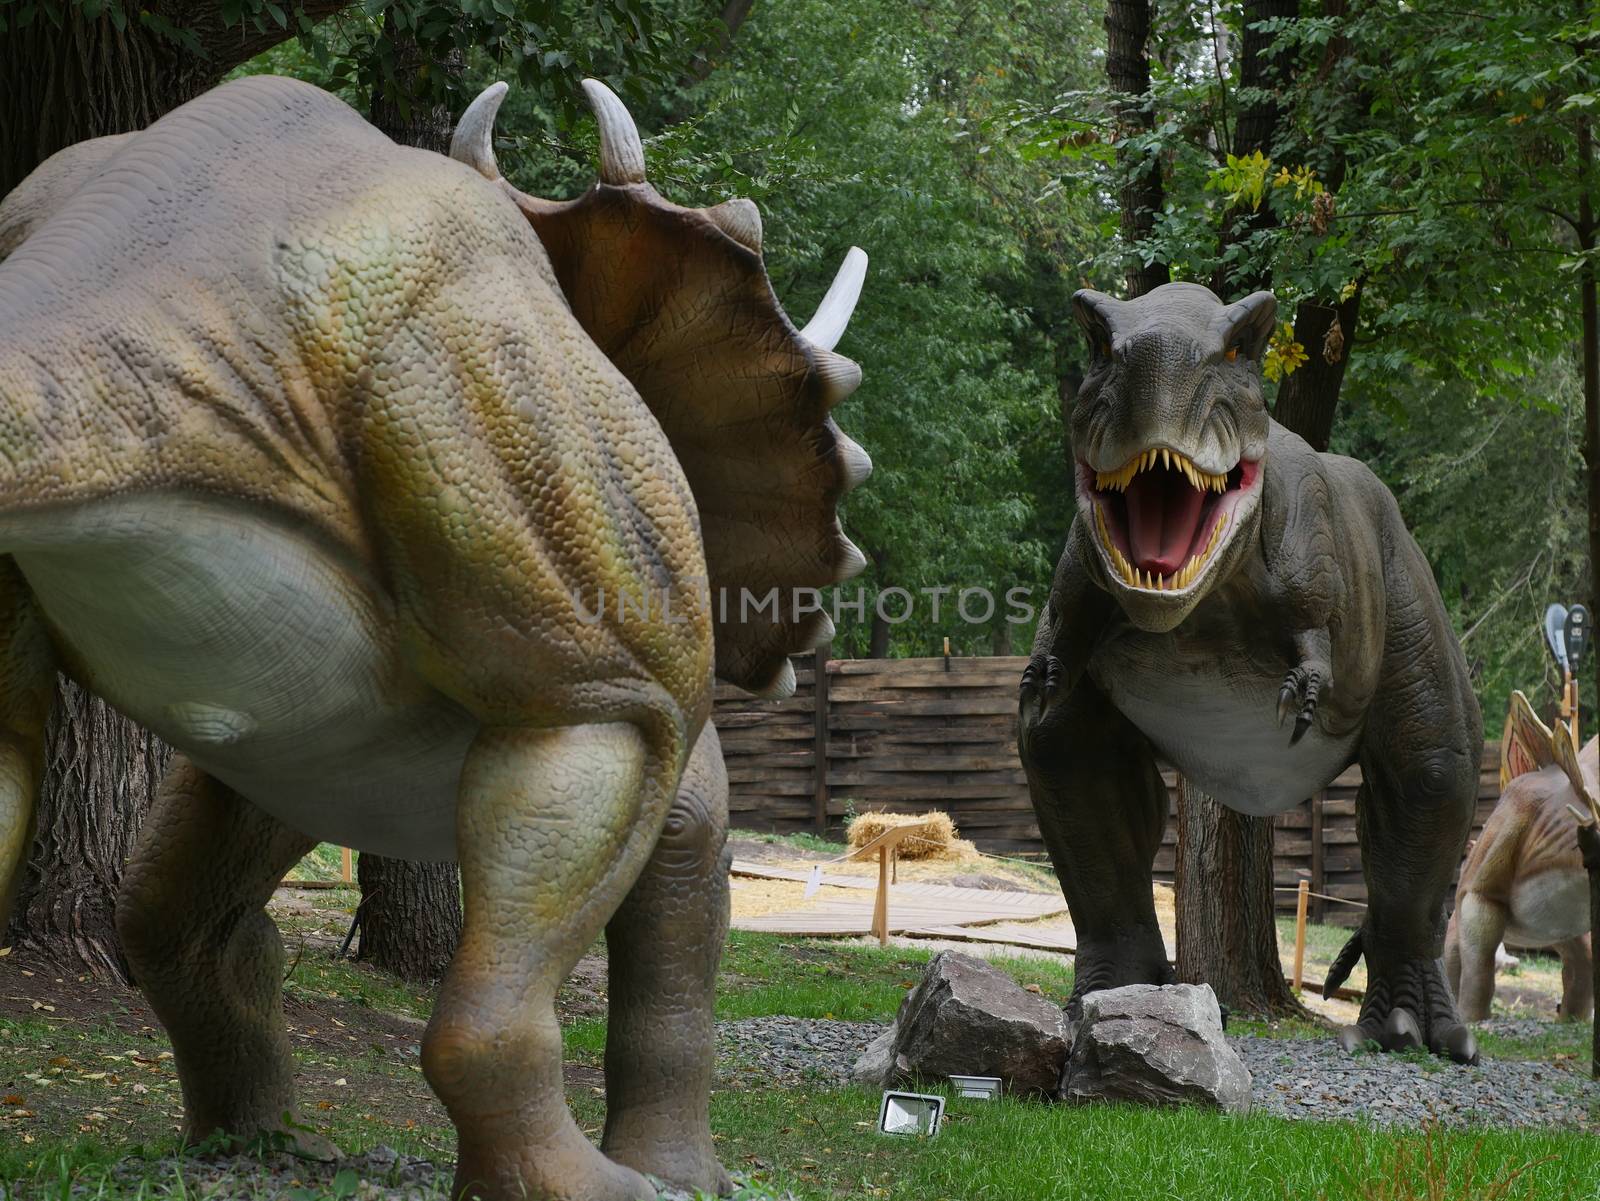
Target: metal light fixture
column 910, row 1113
column 984, row 1088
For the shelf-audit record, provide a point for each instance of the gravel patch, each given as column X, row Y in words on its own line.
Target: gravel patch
column 1314, row 1078
column 790, row 1051
column 1292, row 1078
column 1517, row 1027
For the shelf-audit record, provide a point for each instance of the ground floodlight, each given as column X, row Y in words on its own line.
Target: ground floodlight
column 984, row 1088
column 910, row 1113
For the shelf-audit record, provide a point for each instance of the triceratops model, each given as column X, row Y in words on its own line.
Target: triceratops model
column 1223, row 580
column 1524, row 878
column 392, row 497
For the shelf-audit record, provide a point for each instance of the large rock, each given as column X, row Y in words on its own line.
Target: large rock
column 966, row 1018
column 1156, row 1045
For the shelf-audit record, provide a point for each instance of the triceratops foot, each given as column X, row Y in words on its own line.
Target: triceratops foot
column 1408, row 1005
column 1299, row 697
column 1041, row 682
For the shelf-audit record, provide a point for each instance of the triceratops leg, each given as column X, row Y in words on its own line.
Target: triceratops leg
column 27, row 686
column 664, row 944
column 192, row 917
column 553, row 827
column 1102, row 809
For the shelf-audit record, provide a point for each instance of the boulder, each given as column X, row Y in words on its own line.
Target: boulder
column 965, row 1018
column 876, row 1068
column 1155, row 1045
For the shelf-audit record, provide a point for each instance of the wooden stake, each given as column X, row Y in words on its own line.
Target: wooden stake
column 1302, row 899
column 880, row 907
column 347, row 865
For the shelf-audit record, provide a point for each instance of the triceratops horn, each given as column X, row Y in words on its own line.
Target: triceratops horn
column 833, row 314
column 621, row 152
column 473, row 141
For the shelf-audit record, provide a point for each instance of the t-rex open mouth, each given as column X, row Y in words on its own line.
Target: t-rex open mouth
column 1161, row 518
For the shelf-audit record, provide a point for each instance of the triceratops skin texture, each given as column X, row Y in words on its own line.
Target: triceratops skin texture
column 1524, row 882
column 1255, row 614
column 390, row 496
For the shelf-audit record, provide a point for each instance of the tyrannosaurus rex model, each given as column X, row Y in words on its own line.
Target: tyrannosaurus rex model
column 1256, row 614
column 393, row 497
column 1524, row 879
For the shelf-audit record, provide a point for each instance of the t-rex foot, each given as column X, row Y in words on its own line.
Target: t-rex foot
column 1299, row 696
column 1041, row 682
column 1407, row 1005
column 1130, row 963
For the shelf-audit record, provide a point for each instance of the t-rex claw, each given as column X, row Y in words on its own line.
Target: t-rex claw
column 1041, row 681
column 1349, row 955
column 1401, row 1031
column 1457, row 1042
column 1042, row 672
column 1354, row 1039
column 1298, row 695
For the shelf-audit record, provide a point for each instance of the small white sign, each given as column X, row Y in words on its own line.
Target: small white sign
column 813, row 883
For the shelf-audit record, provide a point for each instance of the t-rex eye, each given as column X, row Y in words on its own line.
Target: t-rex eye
column 1231, row 353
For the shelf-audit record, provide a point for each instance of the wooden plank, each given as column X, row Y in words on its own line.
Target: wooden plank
column 819, row 757
column 1318, row 851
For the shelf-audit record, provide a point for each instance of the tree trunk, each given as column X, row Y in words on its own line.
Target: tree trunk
column 60, row 85
column 1308, row 399
column 410, row 915
column 101, row 773
column 1264, row 70
column 1140, row 195
column 410, row 911
column 1227, row 930
column 87, row 79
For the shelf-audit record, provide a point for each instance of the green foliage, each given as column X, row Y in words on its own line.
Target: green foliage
column 1494, row 492
column 874, row 131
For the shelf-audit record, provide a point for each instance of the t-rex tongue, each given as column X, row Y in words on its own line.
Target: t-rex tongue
column 1163, row 519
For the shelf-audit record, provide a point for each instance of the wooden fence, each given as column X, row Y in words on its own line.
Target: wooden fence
column 915, row 734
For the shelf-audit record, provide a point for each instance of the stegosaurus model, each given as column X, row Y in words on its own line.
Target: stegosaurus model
column 1524, row 879
column 1256, row 614
column 392, row 498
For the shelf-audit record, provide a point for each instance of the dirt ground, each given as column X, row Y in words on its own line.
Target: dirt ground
column 88, row 1056
column 102, row 1064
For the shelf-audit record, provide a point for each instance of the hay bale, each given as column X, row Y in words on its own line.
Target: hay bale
column 938, row 842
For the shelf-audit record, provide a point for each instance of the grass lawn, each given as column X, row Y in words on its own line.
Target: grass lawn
column 87, row 1079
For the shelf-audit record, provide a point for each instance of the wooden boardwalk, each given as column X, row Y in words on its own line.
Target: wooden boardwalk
column 914, row 907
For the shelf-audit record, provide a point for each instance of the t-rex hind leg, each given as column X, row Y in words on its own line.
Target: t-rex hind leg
column 1102, row 809
column 1412, row 825
column 664, row 945
column 1577, row 979
column 192, row 917
column 553, row 827
column 1480, row 924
